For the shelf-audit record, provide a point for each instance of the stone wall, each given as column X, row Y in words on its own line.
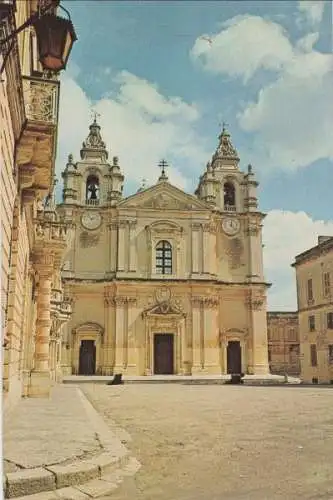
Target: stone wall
column 283, row 343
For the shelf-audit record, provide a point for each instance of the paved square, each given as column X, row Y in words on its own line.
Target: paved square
column 223, row 442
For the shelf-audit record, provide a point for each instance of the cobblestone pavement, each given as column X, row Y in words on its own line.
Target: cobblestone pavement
column 223, row 442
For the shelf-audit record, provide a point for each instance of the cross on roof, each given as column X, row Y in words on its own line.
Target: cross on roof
column 224, row 125
column 163, row 165
column 94, row 114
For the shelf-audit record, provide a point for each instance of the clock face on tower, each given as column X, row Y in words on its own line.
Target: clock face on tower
column 230, row 226
column 91, row 220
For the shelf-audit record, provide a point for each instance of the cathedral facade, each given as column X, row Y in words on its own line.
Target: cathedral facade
column 162, row 281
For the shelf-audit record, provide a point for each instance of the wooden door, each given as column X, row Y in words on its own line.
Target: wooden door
column 163, row 353
column 87, row 360
column 234, row 357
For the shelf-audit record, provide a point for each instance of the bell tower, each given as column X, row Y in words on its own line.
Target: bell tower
column 221, row 185
column 93, row 181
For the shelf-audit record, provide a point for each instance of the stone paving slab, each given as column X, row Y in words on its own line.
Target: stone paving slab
column 69, row 446
column 53, row 430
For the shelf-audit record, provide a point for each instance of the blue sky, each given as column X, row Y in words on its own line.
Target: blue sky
column 162, row 89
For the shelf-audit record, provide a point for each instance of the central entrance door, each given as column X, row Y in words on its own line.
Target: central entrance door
column 87, row 360
column 163, row 354
column 234, row 357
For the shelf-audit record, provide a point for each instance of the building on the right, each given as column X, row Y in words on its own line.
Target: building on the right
column 314, row 279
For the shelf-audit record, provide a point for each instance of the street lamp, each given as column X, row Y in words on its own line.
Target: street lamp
column 55, row 39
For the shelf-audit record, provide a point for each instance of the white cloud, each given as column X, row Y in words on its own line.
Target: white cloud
column 245, row 45
column 306, row 43
column 285, row 235
column 291, row 118
column 139, row 124
column 310, row 11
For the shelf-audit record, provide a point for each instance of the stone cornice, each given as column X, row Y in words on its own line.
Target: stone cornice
column 313, row 253
column 119, row 300
column 209, row 302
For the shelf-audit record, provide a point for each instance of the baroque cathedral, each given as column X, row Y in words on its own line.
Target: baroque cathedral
column 162, row 281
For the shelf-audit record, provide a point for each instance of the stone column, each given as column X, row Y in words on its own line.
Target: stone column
column 121, row 246
column 132, row 247
column 40, row 375
column 120, row 334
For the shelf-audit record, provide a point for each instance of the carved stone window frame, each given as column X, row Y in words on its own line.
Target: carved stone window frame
column 172, row 233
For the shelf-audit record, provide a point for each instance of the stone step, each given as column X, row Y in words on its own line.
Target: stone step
column 179, row 379
column 51, row 480
column 101, row 487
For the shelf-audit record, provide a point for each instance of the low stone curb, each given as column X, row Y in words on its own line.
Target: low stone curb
column 94, row 488
column 71, row 480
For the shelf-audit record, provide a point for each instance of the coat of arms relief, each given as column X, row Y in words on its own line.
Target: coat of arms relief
column 164, row 303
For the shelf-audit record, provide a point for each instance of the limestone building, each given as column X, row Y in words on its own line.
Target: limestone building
column 314, row 277
column 32, row 239
column 283, row 343
column 163, row 282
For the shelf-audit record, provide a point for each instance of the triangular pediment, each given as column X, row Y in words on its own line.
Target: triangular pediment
column 163, row 196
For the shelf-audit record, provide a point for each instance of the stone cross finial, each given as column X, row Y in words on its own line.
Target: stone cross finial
column 94, row 115
column 163, row 165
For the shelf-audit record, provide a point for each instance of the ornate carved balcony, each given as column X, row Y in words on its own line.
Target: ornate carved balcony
column 52, row 237
column 61, row 308
column 36, row 148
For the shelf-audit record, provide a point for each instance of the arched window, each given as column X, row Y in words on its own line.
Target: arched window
column 229, row 194
column 92, row 190
column 163, row 257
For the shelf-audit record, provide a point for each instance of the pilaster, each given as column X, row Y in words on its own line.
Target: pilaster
column 108, row 343
column 113, row 245
column 253, row 232
column 206, row 257
column 258, row 355
column 198, row 360
column 132, row 354
column 209, row 248
column 120, row 334
column 195, row 248
column 132, row 247
column 122, row 248
column 211, row 335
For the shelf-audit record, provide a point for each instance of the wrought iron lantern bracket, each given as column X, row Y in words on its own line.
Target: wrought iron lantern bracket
column 31, row 21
